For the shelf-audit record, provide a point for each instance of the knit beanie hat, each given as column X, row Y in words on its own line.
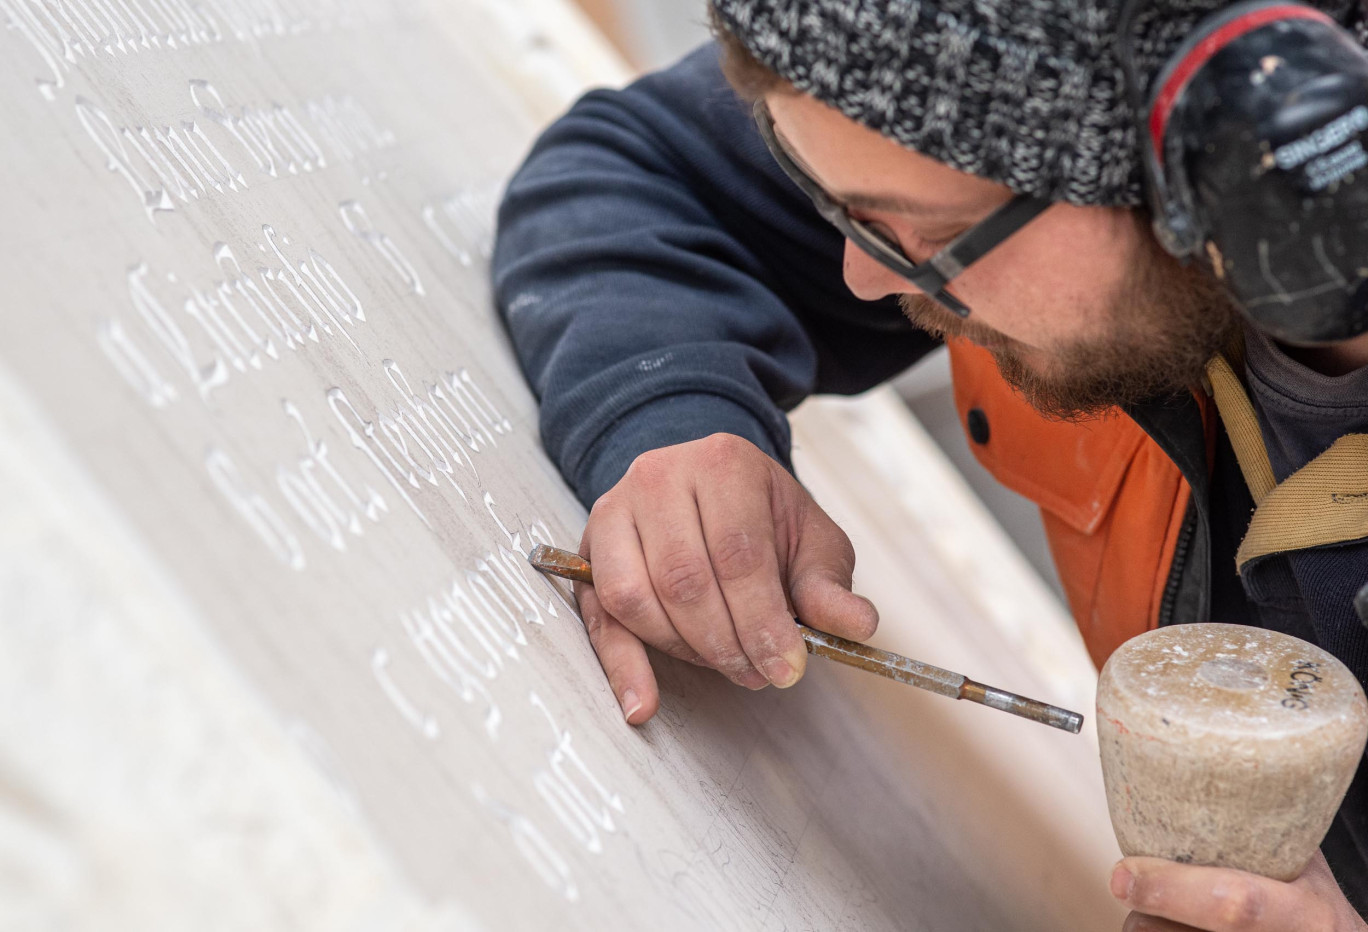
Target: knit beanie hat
column 1028, row 93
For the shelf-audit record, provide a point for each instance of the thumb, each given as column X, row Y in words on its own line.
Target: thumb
column 820, row 573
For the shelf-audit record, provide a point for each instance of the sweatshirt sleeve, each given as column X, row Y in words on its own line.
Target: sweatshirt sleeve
column 661, row 280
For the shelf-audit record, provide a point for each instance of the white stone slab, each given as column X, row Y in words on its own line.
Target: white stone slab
column 269, row 654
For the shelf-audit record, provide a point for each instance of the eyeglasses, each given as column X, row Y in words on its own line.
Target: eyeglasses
column 930, row 276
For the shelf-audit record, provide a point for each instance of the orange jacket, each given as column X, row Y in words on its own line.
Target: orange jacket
column 1112, row 501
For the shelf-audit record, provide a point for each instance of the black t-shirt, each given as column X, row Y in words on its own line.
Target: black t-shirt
column 1301, row 413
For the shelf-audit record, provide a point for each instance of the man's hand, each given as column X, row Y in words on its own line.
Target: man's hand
column 706, row 551
column 1170, row 897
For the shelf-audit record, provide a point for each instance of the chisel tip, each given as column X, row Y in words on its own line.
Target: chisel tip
column 560, row 563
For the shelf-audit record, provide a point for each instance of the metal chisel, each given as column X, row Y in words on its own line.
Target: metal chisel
column 569, row 565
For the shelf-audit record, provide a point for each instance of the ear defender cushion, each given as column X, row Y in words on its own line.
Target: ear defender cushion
column 1259, row 125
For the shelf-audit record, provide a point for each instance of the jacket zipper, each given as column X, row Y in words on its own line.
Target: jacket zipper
column 1175, row 579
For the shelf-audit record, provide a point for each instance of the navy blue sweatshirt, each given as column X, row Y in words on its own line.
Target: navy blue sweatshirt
column 662, row 280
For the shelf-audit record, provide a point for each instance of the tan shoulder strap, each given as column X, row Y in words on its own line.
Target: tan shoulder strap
column 1325, row 502
column 1242, row 425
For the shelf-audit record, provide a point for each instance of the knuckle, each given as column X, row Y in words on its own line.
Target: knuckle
column 735, row 554
column 683, row 577
column 616, row 498
column 601, row 504
column 625, row 599
column 649, row 470
column 724, row 451
column 724, row 443
column 1241, row 905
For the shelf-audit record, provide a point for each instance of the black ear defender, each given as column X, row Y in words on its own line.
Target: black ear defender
column 1254, row 139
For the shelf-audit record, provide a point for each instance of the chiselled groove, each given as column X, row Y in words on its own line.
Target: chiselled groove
column 236, row 323
column 63, row 33
column 210, row 148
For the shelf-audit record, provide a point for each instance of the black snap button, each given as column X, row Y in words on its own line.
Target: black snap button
column 978, row 426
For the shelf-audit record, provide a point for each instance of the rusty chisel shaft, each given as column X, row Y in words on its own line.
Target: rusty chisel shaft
column 569, row 565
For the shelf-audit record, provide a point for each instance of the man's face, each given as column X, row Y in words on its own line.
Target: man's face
column 1081, row 308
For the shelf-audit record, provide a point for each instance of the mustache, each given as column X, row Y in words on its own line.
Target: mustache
column 926, row 314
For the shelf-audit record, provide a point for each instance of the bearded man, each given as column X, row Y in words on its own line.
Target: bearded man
column 824, row 195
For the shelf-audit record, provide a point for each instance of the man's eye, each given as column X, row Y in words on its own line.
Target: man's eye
column 884, row 233
column 917, row 247
column 934, row 245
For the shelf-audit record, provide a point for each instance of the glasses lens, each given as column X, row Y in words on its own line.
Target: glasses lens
column 880, row 245
column 870, row 236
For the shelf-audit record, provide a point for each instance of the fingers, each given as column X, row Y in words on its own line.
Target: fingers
column 694, row 551
column 821, row 570
column 623, row 585
column 623, row 658
column 738, row 531
column 681, row 573
column 1219, row 900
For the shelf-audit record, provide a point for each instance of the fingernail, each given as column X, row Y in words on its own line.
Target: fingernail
column 1122, row 883
column 754, row 680
column 631, row 703
column 778, row 672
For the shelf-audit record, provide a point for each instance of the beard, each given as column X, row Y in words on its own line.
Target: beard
column 1163, row 324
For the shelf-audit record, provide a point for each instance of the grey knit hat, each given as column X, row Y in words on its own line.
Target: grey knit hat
column 1028, row 93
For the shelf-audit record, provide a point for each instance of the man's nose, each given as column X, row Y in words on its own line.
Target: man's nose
column 869, row 280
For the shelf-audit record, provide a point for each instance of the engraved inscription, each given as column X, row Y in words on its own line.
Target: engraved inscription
column 379, row 435
column 237, row 322
column 169, row 162
column 462, row 223
column 354, row 216
column 62, row 33
column 255, row 510
column 572, row 791
column 424, row 723
column 548, row 864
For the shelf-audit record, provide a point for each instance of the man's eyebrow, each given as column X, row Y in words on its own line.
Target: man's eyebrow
column 889, row 203
column 892, row 203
